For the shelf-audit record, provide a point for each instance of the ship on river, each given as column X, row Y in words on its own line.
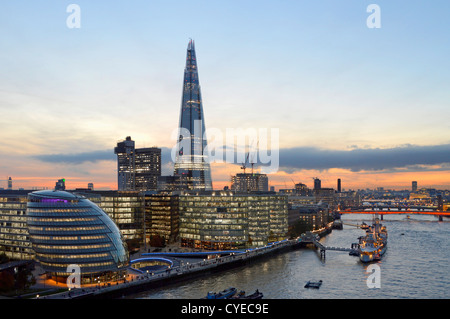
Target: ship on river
column 374, row 244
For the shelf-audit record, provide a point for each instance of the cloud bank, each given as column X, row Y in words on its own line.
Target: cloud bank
column 78, row 158
column 410, row 157
column 356, row 160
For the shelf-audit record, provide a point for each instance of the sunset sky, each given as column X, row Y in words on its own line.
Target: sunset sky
column 369, row 106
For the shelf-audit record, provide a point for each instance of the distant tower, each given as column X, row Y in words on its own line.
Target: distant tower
column 317, row 183
column 339, row 185
column 10, row 183
column 414, row 186
column 91, row 186
column 192, row 162
column 60, row 185
column 440, row 203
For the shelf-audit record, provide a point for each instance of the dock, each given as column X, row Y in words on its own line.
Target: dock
column 312, row 239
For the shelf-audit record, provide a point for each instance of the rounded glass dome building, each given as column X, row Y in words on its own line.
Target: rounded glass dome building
column 67, row 229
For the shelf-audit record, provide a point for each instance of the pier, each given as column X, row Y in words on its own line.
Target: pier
column 312, row 239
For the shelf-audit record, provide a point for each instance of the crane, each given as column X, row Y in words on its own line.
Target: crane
column 293, row 182
column 244, row 164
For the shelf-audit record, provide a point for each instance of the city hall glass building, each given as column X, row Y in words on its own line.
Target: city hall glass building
column 67, row 229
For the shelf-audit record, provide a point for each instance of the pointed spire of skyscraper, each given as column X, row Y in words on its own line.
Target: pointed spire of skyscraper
column 191, row 158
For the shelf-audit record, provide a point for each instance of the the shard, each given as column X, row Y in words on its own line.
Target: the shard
column 191, row 163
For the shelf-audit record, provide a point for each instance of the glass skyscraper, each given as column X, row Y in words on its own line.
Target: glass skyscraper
column 192, row 162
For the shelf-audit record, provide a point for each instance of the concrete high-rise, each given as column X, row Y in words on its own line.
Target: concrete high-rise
column 147, row 168
column 192, row 161
column 138, row 169
column 247, row 182
column 125, row 164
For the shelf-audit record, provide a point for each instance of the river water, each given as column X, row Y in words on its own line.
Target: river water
column 415, row 265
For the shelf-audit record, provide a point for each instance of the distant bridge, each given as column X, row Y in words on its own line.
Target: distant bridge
column 436, row 213
column 392, row 212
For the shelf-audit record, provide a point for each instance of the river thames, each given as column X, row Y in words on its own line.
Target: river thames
column 415, row 266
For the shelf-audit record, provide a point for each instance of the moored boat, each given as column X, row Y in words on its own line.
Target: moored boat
column 313, row 284
column 225, row 294
column 374, row 244
column 256, row 295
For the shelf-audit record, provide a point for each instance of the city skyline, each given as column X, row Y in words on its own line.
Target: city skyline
column 368, row 106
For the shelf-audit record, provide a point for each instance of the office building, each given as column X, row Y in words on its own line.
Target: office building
column 250, row 182
column 414, row 186
column 228, row 220
column 162, row 217
column 125, row 151
column 191, row 150
column 14, row 237
column 138, row 169
column 125, row 208
column 67, row 229
column 308, row 218
column 147, row 168
column 172, row 183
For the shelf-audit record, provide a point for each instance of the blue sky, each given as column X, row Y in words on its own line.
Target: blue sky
column 310, row 68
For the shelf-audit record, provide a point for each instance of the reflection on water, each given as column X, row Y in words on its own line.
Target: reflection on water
column 415, row 265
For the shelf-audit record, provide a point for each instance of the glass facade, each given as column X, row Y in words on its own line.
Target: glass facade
column 68, row 229
column 147, row 168
column 226, row 220
column 125, row 208
column 162, row 216
column 191, row 157
column 14, row 238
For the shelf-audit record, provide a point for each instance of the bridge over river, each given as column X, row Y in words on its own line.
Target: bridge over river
column 388, row 211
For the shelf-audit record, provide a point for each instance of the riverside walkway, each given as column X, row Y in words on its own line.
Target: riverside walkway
column 182, row 271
